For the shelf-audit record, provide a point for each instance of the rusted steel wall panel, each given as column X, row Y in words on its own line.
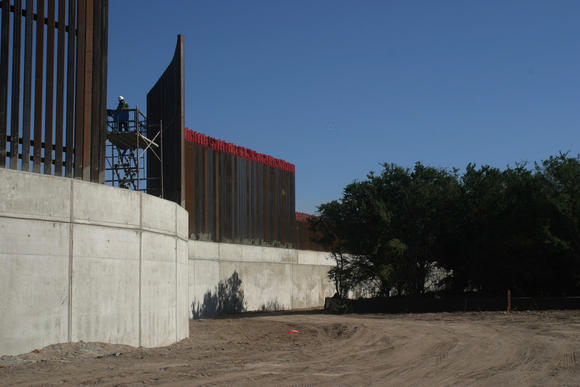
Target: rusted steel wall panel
column 237, row 195
column 70, row 89
column 207, row 191
column 165, row 102
column 80, row 88
column 216, row 173
column 4, row 50
column 60, row 72
column 40, row 123
column 15, row 111
column 199, row 191
column 27, row 92
column 304, row 237
column 38, row 82
column 85, row 101
column 49, row 101
column 99, row 91
column 189, row 185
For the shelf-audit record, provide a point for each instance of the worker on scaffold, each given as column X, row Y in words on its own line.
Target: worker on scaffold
column 123, row 118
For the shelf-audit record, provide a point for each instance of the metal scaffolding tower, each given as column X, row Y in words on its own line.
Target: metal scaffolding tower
column 127, row 148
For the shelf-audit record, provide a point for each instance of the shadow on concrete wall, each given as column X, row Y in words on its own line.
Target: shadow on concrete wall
column 271, row 306
column 227, row 298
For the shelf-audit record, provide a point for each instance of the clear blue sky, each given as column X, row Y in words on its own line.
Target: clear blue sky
column 339, row 87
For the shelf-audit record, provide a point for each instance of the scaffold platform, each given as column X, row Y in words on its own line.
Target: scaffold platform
column 128, row 146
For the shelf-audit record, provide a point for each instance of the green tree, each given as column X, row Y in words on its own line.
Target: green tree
column 389, row 225
column 494, row 230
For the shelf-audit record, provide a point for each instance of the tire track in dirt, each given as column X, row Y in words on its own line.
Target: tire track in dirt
column 527, row 348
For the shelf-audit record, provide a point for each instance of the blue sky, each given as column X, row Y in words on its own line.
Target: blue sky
column 339, row 87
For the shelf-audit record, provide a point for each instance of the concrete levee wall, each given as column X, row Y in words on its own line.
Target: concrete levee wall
column 225, row 278
column 83, row 261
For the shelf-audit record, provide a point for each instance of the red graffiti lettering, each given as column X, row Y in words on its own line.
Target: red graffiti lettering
column 239, row 151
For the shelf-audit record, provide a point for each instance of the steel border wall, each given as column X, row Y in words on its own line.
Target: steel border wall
column 53, row 103
column 237, row 197
column 165, row 107
column 238, row 200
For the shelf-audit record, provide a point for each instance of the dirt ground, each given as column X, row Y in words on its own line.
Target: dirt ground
column 488, row 348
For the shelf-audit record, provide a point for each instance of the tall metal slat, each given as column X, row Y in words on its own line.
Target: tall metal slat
column 4, row 52
column 248, row 226
column 15, row 110
column 49, row 104
column 223, row 194
column 281, row 217
column 267, row 207
column 240, row 201
column 70, row 88
column 99, row 91
column 38, row 83
column 189, row 185
column 227, row 216
column 272, row 188
column 235, row 199
column 249, row 202
column 98, row 111
column 194, row 184
column 80, row 90
column 193, row 197
column 104, row 79
column 241, row 198
column 165, row 101
column 281, row 212
column 260, row 187
column 275, row 196
column 181, row 112
column 285, row 206
column 258, row 200
column 199, row 188
column 254, row 202
column 211, row 190
column 292, row 198
column 205, row 193
column 27, row 92
column 290, row 213
column 266, row 203
column 60, row 71
column 87, row 98
column 217, row 195
column 245, row 206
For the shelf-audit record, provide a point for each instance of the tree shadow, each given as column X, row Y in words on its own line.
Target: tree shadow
column 227, row 298
column 271, row 306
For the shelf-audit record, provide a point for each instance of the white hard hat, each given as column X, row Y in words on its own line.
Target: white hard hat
column 121, row 98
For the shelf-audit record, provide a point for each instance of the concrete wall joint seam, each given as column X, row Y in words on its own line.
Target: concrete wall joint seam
column 70, row 263
column 92, row 280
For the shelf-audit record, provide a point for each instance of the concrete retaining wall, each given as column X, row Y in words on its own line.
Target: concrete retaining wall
column 82, row 261
column 225, row 278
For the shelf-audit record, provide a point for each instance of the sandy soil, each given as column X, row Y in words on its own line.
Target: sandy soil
column 491, row 349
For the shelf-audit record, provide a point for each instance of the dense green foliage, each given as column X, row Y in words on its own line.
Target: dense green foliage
column 493, row 230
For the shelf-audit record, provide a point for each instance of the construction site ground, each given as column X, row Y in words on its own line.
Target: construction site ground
column 313, row 348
